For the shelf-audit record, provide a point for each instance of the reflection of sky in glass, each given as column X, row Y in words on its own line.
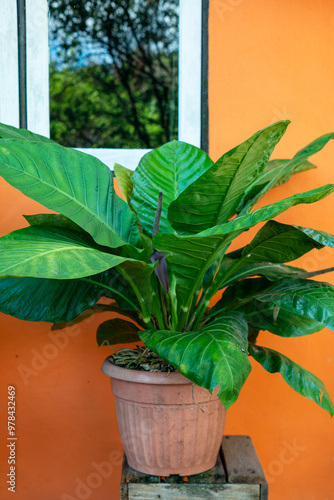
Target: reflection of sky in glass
column 91, row 52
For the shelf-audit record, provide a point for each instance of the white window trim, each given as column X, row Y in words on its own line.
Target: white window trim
column 190, row 67
column 9, row 72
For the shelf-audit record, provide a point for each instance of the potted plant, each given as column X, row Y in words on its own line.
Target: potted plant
column 159, row 257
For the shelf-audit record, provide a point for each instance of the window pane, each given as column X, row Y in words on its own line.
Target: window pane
column 113, row 72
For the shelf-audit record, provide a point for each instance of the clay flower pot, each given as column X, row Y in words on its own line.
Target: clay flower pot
column 162, row 429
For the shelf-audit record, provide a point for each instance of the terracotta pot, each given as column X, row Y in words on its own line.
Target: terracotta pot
column 162, row 429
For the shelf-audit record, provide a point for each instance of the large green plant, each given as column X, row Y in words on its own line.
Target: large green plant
column 161, row 254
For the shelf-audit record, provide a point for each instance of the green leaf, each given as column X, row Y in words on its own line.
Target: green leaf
column 9, row 132
column 99, row 308
column 73, row 183
column 53, row 220
column 117, row 331
column 42, row 253
column 246, row 221
column 213, row 355
column 278, row 243
column 301, row 156
column 139, row 276
column 277, row 169
column 170, row 169
column 215, row 196
column 268, row 316
column 301, row 380
column 235, row 296
column 322, row 238
column 188, row 259
column 228, row 274
column 54, row 301
column 308, row 298
column 119, row 290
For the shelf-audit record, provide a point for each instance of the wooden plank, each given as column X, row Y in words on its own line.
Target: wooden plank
column 195, row 492
column 244, row 476
column 241, row 461
column 264, row 491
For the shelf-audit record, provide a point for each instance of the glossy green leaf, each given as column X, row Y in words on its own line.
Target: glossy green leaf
column 321, row 237
column 188, row 259
column 302, row 155
column 170, row 169
column 40, row 253
column 275, row 169
column 274, row 319
column 99, row 308
column 308, row 298
column 229, row 274
column 54, row 301
column 53, row 220
column 301, row 380
column 119, row 290
column 246, row 221
column 139, row 276
column 94, row 309
column 73, row 183
column 214, row 197
column 9, row 132
column 117, row 331
column 213, row 355
column 278, row 243
column 235, row 296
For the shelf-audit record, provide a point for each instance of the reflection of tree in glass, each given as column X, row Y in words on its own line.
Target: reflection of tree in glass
column 113, row 77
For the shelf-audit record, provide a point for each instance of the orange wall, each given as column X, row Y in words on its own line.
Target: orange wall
column 268, row 61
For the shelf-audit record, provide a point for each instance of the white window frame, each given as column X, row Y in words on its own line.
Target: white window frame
column 37, row 70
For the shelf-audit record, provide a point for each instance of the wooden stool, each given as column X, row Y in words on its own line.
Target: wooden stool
column 237, row 475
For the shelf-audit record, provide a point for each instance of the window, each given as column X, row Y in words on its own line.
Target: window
column 24, row 74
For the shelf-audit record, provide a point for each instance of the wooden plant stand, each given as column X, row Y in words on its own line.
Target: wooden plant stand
column 237, row 475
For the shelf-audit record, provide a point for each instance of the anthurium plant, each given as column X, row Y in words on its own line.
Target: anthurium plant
column 162, row 253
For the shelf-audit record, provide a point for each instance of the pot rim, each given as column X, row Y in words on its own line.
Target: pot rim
column 142, row 377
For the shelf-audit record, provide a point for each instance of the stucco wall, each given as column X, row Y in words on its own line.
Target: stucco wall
column 271, row 61
column 268, row 61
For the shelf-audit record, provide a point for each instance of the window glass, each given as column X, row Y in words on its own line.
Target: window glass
column 113, row 72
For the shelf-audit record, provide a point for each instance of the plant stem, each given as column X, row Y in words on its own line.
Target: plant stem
column 173, row 310
column 212, row 290
column 145, row 313
column 220, row 249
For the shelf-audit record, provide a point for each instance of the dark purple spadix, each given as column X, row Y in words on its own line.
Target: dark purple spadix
column 161, row 269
